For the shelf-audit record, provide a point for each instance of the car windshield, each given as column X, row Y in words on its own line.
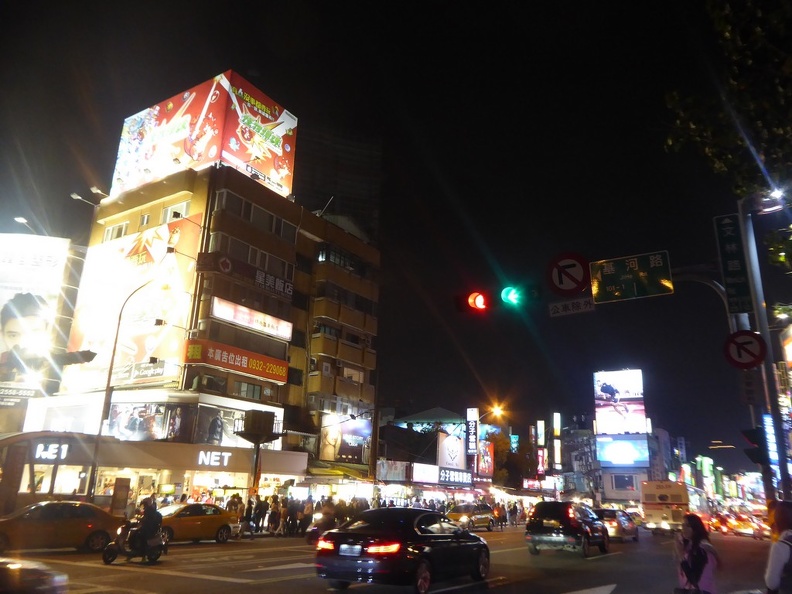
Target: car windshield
column 169, row 510
column 606, row 513
column 463, row 508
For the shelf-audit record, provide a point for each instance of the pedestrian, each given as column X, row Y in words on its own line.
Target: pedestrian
column 777, row 579
column 260, row 513
column 246, row 520
column 697, row 559
column 308, row 512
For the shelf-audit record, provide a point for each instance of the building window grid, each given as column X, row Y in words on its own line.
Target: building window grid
column 115, row 231
column 244, row 252
column 182, row 208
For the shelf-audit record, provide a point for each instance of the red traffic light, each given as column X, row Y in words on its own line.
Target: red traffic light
column 478, row 300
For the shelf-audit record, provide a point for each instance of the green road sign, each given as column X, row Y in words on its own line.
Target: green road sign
column 631, row 277
column 732, row 261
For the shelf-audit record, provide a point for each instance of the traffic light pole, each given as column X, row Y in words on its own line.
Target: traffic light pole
column 768, row 368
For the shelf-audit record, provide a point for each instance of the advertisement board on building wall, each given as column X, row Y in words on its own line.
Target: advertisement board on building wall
column 450, row 451
column 134, row 300
column 232, row 358
column 224, row 119
column 619, row 402
column 32, row 270
column 622, row 451
column 342, row 438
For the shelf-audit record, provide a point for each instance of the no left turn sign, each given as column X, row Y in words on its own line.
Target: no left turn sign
column 568, row 274
column 745, row 349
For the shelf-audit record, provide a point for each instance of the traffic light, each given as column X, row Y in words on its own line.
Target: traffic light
column 512, row 296
column 758, row 453
column 478, row 301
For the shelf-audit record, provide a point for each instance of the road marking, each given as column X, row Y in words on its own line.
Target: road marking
column 598, row 590
column 279, row 567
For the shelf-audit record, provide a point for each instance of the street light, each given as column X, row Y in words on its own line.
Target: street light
column 760, row 313
column 108, row 394
column 76, row 196
column 24, row 221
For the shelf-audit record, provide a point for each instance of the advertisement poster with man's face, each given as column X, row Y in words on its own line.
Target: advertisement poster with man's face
column 619, row 402
column 32, row 269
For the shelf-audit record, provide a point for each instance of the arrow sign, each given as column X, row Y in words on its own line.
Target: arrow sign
column 745, row 349
column 568, row 274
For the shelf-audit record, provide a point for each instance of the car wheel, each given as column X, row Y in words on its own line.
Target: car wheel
column 490, row 526
column 168, row 532
column 223, row 534
column 584, row 546
column 533, row 549
column 423, row 577
column 604, row 546
column 339, row 585
column 481, row 570
column 97, row 541
column 4, row 544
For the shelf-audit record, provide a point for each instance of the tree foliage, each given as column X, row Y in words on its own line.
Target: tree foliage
column 743, row 127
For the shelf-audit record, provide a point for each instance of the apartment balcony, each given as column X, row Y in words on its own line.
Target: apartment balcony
column 329, row 346
column 318, row 383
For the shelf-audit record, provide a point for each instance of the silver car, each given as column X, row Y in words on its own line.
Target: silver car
column 620, row 524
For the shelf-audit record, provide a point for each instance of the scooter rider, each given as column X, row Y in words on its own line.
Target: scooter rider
column 150, row 523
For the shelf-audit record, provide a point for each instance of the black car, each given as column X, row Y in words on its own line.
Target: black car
column 400, row 546
column 567, row 526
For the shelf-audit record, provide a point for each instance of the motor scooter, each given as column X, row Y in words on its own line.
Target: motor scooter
column 127, row 543
column 319, row 526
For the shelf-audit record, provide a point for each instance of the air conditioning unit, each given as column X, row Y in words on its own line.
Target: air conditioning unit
column 367, row 341
column 339, row 363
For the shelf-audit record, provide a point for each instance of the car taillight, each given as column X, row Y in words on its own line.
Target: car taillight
column 611, row 522
column 384, row 549
column 324, row 545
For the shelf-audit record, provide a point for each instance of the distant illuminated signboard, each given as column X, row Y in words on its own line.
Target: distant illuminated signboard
column 250, row 319
column 619, row 402
column 622, row 451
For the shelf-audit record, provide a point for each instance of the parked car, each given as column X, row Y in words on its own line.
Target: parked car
column 473, row 515
column 619, row 523
column 58, row 524
column 21, row 576
column 567, row 526
column 198, row 521
column 400, row 546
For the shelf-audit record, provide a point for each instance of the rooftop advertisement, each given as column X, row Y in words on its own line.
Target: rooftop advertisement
column 31, row 274
column 133, row 307
column 224, row 119
column 619, row 402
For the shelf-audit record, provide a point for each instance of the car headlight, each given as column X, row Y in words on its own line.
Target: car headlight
column 464, row 519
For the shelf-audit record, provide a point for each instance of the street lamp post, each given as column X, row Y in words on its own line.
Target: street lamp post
column 24, row 221
column 768, row 368
column 108, row 395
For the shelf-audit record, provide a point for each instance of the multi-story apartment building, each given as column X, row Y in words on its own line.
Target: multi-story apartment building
column 223, row 313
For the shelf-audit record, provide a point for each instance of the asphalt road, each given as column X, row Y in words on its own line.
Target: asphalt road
column 270, row 564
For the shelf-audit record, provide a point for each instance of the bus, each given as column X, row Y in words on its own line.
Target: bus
column 665, row 503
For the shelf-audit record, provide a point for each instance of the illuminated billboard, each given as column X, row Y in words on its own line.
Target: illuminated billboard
column 224, row 119
column 451, row 451
column 133, row 307
column 31, row 276
column 342, row 438
column 619, row 402
column 622, row 451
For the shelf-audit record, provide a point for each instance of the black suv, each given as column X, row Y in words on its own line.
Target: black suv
column 565, row 525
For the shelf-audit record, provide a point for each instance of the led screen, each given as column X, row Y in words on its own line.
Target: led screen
column 622, row 451
column 618, row 402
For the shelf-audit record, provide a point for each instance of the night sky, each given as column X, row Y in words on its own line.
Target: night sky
column 511, row 133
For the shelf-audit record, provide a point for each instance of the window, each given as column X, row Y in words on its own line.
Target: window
column 115, row 232
column 183, row 208
column 144, row 220
column 246, row 390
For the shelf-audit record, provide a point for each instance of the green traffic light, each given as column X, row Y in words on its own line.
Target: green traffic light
column 511, row 295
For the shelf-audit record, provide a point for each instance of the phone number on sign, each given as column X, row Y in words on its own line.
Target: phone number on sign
column 263, row 366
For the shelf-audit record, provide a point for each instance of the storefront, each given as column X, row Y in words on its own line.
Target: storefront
column 46, row 465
